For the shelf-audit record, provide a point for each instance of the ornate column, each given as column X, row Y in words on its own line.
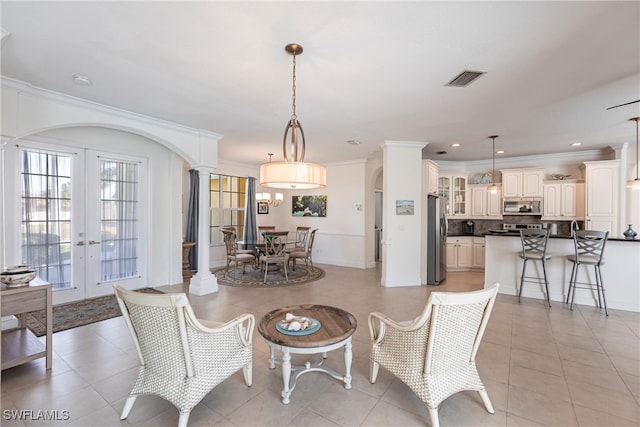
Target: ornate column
column 203, row 282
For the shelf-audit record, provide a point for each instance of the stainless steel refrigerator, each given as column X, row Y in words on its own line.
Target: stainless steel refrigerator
column 437, row 228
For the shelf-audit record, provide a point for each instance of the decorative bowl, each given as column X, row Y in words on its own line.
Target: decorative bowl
column 22, row 268
column 13, row 279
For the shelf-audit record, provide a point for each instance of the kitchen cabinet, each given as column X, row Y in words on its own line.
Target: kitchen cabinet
column 431, row 172
column 453, row 192
column 484, row 205
column 478, row 253
column 602, row 180
column 459, row 253
column 563, row 200
column 525, row 182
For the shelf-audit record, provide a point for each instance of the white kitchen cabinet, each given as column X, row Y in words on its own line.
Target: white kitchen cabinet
column 602, row 181
column 431, row 172
column 453, row 188
column 478, row 253
column 525, row 182
column 484, row 205
column 459, row 253
column 563, row 200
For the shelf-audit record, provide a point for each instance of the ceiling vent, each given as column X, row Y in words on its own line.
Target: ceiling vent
column 464, row 78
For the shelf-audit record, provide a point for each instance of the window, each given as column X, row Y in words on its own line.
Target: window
column 46, row 215
column 119, row 219
column 228, row 201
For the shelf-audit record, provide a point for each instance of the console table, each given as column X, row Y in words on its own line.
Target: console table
column 20, row 345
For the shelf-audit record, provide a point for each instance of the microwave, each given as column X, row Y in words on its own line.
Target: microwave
column 522, row 207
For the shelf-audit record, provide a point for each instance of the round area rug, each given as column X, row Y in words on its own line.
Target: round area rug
column 253, row 278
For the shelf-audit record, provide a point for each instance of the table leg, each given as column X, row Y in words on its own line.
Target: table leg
column 348, row 356
column 286, row 375
column 272, row 357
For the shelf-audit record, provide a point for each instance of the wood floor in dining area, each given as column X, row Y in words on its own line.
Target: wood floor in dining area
column 541, row 366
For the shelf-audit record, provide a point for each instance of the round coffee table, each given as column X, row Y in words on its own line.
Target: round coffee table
column 336, row 328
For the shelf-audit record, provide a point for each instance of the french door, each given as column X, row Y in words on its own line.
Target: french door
column 81, row 216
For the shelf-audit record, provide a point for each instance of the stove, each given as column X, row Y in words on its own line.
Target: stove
column 515, row 228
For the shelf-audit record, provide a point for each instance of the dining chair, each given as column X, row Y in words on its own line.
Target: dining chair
column 275, row 251
column 304, row 254
column 300, row 244
column 235, row 255
column 435, row 353
column 181, row 357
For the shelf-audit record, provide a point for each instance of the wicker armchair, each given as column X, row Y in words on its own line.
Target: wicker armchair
column 181, row 358
column 435, row 353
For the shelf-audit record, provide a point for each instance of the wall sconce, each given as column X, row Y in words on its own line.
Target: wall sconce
column 266, row 197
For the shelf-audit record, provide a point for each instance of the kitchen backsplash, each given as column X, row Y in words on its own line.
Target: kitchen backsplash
column 484, row 226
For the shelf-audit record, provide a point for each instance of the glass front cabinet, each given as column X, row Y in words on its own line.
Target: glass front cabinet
column 452, row 190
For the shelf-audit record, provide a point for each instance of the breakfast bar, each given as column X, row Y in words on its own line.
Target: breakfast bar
column 620, row 271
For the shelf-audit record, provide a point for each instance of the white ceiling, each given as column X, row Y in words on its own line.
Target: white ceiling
column 370, row 71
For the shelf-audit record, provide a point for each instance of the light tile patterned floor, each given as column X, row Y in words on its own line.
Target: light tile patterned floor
column 541, row 366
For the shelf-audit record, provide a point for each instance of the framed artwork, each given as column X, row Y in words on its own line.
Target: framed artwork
column 309, row 206
column 263, row 207
column 404, row 207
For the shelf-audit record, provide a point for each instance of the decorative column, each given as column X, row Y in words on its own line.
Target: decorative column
column 203, row 282
column 402, row 213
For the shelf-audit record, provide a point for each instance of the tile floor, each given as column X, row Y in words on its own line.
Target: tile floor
column 541, row 367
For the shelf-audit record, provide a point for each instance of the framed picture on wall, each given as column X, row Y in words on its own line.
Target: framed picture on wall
column 263, row 207
column 309, row 206
column 404, row 207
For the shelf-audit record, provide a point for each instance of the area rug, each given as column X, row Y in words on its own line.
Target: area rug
column 78, row 313
column 254, row 278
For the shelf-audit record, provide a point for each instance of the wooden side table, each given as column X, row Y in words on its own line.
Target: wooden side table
column 337, row 327
column 20, row 345
column 186, row 266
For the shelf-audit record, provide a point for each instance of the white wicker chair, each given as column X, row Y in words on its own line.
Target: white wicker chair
column 181, row 358
column 435, row 354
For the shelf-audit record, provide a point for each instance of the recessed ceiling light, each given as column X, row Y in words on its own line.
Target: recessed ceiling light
column 354, row 142
column 81, row 79
column 455, row 145
column 500, row 152
column 576, row 144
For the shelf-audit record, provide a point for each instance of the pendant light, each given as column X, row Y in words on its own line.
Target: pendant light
column 634, row 184
column 493, row 188
column 293, row 172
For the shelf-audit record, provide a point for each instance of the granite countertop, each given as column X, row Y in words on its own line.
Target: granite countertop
column 466, row 235
column 559, row 236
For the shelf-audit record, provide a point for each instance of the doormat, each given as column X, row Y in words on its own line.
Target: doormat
column 251, row 277
column 78, row 313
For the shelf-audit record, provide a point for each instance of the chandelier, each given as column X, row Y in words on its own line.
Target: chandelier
column 293, row 172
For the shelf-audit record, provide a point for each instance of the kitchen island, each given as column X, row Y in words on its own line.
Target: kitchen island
column 620, row 272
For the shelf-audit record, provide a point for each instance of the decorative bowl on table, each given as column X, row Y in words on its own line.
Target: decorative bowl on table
column 17, row 275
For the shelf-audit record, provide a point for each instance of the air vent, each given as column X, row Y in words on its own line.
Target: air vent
column 441, row 152
column 464, row 78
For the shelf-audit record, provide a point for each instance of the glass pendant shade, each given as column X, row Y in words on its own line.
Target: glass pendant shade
column 293, row 175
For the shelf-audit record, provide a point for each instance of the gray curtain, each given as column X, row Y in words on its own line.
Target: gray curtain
column 250, row 227
column 192, row 217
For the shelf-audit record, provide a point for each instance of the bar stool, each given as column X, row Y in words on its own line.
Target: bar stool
column 534, row 248
column 589, row 250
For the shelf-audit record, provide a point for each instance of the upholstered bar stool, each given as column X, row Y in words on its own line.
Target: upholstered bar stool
column 534, row 248
column 589, row 250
